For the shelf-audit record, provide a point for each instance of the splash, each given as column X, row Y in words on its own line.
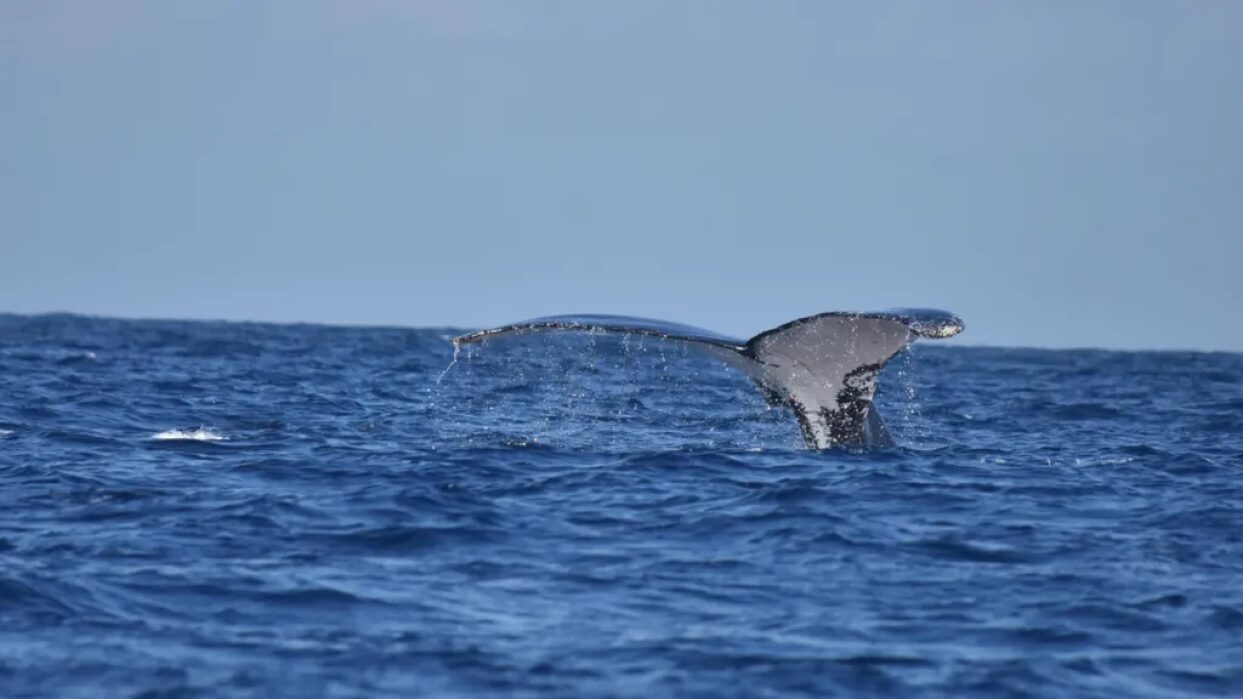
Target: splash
column 201, row 434
column 457, row 349
column 910, row 417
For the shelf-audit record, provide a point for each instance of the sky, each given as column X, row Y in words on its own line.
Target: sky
column 1060, row 174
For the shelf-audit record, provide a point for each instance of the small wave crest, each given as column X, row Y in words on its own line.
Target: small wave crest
column 201, row 434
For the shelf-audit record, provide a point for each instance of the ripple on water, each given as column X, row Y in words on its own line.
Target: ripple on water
column 214, row 509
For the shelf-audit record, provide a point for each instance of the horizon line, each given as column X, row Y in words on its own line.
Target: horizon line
column 947, row 344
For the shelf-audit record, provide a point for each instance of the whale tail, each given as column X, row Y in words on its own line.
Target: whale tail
column 824, row 367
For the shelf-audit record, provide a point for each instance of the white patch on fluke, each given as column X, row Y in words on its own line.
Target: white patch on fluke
column 199, row 435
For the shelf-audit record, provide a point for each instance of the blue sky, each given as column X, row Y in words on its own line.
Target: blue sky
column 1059, row 174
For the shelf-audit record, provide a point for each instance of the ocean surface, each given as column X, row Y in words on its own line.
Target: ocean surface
column 194, row 509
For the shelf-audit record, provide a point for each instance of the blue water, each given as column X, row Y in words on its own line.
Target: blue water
column 247, row 510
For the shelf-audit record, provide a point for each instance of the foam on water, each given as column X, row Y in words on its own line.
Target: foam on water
column 199, row 434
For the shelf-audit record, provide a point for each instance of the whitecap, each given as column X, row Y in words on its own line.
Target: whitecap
column 201, row 434
column 5, row 433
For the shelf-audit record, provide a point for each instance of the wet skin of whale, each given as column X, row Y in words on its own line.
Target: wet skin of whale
column 824, row 367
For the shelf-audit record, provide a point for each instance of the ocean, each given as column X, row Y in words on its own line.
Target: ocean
column 211, row 509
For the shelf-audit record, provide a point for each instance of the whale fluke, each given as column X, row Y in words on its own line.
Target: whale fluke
column 824, row 367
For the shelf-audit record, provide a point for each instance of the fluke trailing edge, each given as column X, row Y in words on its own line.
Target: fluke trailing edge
column 823, row 366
